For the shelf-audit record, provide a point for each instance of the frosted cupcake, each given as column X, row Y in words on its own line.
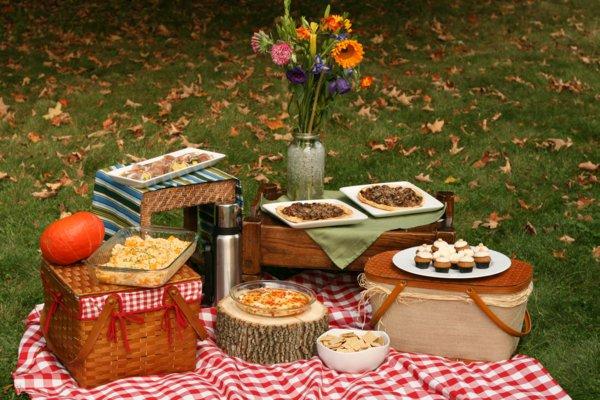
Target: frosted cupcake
column 482, row 259
column 423, row 259
column 481, row 246
column 424, row 248
column 442, row 264
column 466, row 252
column 454, row 259
column 466, row 264
column 461, row 244
column 438, row 244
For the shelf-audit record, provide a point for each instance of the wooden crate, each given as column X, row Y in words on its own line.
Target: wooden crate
column 266, row 242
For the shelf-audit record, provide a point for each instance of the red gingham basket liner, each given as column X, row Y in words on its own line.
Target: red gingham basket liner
column 139, row 301
column 218, row 376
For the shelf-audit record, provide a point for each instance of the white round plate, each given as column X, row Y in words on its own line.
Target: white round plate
column 405, row 260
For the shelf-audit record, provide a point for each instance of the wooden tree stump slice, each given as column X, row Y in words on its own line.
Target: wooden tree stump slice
column 269, row 340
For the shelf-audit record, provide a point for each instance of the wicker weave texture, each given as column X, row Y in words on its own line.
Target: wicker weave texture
column 380, row 268
column 219, row 192
column 150, row 350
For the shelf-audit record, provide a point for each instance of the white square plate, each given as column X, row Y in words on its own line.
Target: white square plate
column 355, row 218
column 116, row 174
column 430, row 203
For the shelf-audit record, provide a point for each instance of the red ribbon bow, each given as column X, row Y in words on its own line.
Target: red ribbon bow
column 56, row 301
column 121, row 317
column 180, row 320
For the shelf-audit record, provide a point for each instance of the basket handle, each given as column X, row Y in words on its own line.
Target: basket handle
column 496, row 320
column 388, row 302
column 110, row 305
column 189, row 315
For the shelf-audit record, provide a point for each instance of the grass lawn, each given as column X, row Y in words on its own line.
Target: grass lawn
column 517, row 85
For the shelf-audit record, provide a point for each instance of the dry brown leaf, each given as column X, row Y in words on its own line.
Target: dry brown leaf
column 423, row 178
column 559, row 254
column 473, row 184
column 44, row 194
column 332, row 153
column 567, row 239
column 274, row 124
column 450, row 180
column 327, row 179
column 435, row 126
column 288, row 137
column 455, row 149
column 409, row 151
column 377, row 39
column 132, row 104
column 34, row 137
column 483, row 161
column 506, row 169
column 82, row 190
column 261, row 178
column 530, row 229
column 556, row 144
column 596, row 253
column 233, row 131
column 588, row 166
column 3, row 108
column 519, row 141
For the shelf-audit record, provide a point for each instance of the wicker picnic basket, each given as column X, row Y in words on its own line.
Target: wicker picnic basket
column 103, row 332
column 472, row 319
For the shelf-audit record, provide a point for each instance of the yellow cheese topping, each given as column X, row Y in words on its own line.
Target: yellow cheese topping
column 148, row 253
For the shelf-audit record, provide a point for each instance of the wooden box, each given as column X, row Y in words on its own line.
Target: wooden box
column 268, row 242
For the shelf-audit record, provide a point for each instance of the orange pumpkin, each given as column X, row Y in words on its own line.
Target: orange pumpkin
column 72, row 238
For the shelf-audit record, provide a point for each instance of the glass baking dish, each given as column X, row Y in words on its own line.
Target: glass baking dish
column 137, row 276
column 238, row 292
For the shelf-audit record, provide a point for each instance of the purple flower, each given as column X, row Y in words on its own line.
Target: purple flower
column 296, row 75
column 339, row 85
column 281, row 52
column 341, row 36
column 319, row 66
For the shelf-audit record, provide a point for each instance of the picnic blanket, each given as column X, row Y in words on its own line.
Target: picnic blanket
column 343, row 244
column 218, row 376
column 118, row 205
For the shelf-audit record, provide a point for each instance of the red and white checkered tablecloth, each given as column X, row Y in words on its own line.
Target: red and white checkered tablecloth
column 218, row 376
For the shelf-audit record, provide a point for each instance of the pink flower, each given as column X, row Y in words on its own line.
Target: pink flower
column 255, row 42
column 281, row 53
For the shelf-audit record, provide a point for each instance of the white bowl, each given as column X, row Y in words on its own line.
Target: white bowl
column 359, row 361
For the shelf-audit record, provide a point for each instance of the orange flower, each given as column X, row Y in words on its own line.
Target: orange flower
column 303, row 33
column 333, row 23
column 347, row 53
column 366, row 81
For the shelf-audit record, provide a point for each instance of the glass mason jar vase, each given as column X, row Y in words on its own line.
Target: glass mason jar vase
column 305, row 167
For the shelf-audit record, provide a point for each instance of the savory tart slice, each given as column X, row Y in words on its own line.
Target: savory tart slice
column 390, row 198
column 318, row 211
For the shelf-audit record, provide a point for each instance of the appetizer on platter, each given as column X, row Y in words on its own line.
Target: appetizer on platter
column 390, row 198
column 165, row 164
column 321, row 211
column 148, row 253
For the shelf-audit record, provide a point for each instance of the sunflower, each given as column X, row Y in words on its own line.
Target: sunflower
column 347, row 53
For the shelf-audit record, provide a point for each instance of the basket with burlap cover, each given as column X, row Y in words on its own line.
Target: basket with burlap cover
column 102, row 332
column 467, row 319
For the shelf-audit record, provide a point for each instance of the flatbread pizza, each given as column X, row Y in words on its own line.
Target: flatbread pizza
column 390, row 198
column 318, row 211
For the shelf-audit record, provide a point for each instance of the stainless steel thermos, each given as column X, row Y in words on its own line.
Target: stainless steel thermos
column 227, row 249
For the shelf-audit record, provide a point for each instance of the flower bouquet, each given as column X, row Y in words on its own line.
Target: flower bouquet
column 320, row 61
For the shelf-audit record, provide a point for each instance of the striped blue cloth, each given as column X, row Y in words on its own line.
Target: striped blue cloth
column 119, row 205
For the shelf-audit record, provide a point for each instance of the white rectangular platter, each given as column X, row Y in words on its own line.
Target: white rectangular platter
column 118, row 177
column 354, row 218
column 430, row 203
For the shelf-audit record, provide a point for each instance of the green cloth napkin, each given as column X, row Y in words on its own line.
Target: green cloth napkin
column 343, row 244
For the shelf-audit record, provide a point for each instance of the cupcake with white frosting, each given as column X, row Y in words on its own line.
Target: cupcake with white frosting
column 423, row 259
column 442, row 264
column 482, row 259
column 466, row 264
column 438, row 244
column 461, row 244
column 481, row 246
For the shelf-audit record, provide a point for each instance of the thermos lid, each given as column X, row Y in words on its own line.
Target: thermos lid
column 227, row 215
